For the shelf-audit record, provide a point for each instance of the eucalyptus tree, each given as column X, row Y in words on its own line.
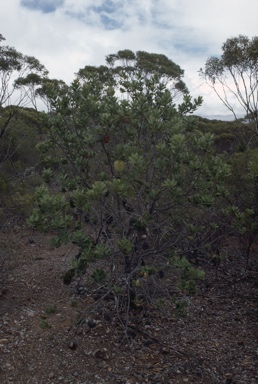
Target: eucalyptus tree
column 49, row 90
column 131, row 184
column 20, row 76
column 234, row 76
column 127, row 65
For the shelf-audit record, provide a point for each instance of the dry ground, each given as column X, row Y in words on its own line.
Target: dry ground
column 41, row 342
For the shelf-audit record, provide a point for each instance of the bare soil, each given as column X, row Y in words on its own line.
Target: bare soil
column 50, row 334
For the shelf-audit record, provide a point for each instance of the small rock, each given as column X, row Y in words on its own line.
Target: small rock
column 148, row 343
column 92, row 323
column 80, row 290
column 107, row 316
column 100, row 353
column 160, row 274
column 73, row 345
column 164, row 351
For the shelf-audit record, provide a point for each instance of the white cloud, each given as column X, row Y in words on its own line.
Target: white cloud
column 83, row 32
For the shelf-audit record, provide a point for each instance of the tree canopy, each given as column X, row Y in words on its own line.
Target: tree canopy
column 130, row 64
column 20, row 77
column 18, row 72
column 234, row 76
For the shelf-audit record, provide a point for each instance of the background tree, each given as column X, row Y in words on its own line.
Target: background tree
column 20, row 75
column 49, row 90
column 234, row 76
column 128, row 65
column 229, row 136
column 19, row 164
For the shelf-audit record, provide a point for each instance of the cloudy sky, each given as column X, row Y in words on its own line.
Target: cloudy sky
column 66, row 35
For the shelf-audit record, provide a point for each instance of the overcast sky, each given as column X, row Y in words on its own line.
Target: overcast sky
column 66, row 35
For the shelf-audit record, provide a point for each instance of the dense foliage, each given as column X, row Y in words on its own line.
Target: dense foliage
column 131, row 182
column 146, row 191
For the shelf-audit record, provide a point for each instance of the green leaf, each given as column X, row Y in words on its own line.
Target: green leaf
column 125, row 246
column 80, row 239
column 101, row 251
column 99, row 275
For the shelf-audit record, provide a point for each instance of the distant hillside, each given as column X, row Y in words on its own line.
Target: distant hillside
column 221, row 117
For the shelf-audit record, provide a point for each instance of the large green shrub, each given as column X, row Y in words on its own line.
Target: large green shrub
column 133, row 186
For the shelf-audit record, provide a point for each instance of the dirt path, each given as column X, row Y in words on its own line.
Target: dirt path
column 41, row 342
